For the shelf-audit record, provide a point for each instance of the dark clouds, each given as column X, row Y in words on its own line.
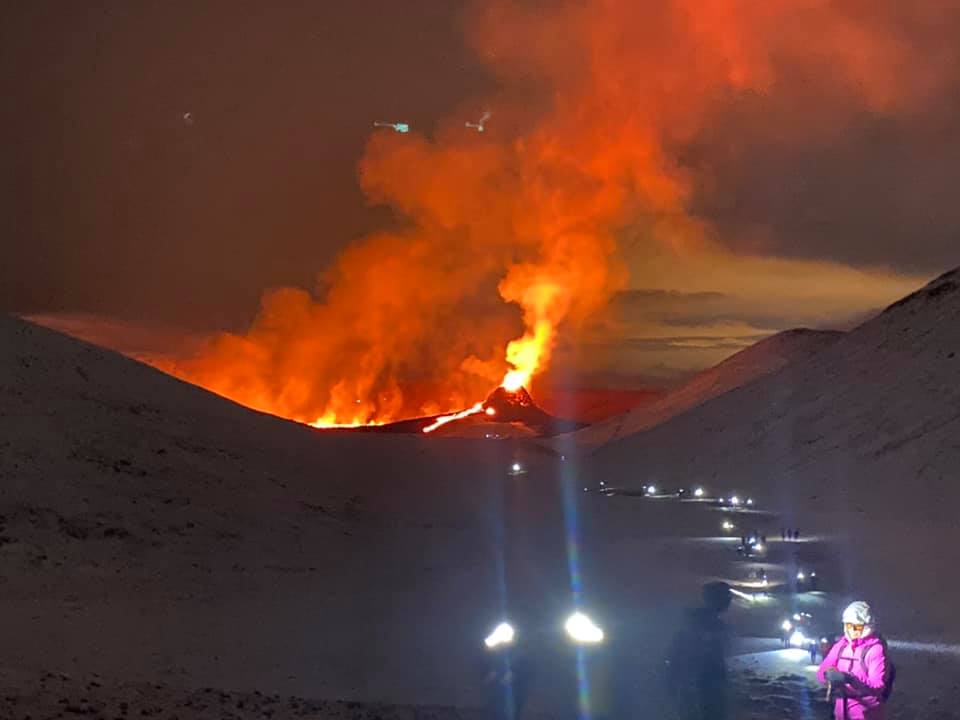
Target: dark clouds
column 115, row 203
column 808, row 170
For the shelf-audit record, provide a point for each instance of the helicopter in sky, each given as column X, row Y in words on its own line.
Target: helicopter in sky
column 399, row 127
column 479, row 125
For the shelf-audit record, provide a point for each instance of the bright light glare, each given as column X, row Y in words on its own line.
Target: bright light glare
column 515, row 467
column 787, row 625
column 698, row 492
column 734, row 500
column 727, row 525
column 651, row 489
column 798, row 639
column 501, row 635
column 749, row 501
column 801, row 576
column 581, row 629
column 758, row 547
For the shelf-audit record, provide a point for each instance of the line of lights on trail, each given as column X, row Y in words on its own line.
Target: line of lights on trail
column 734, row 501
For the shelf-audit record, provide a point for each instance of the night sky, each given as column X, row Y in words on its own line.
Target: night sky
column 115, row 203
column 167, row 162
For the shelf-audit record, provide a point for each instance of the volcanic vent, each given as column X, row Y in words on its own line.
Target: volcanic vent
column 504, row 414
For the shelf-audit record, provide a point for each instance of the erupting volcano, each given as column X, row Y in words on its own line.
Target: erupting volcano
column 505, row 241
column 502, row 405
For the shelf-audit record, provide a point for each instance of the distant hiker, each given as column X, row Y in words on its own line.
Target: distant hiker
column 783, row 534
column 796, row 534
column 763, row 539
column 697, row 665
column 857, row 671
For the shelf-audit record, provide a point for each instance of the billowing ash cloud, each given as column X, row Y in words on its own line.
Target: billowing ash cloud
column 611, row 120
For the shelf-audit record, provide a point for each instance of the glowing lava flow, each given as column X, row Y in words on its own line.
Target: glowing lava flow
column 321, row 423
column 526, row 355
column 444, row 419
column 330, row 421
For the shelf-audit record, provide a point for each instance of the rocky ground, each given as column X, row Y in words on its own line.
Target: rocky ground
column 53, row 695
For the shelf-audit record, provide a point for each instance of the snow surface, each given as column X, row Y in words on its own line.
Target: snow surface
column 861, row 439
column 166, row 548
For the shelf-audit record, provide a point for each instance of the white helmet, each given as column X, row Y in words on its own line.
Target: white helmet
column 858, row 613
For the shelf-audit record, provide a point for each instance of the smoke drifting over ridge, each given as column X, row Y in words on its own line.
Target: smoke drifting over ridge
column 510, row 237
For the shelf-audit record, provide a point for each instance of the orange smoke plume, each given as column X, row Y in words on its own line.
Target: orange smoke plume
column 511, row 235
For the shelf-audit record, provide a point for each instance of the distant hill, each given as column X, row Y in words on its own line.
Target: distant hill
column 592, row 404
column 763, row 358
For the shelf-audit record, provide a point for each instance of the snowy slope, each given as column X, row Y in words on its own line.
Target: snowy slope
column 763, row 358
column 151, row 529
column 170, row 541
column 860, row 441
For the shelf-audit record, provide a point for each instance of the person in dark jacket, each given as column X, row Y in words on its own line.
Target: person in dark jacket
column 697, row 667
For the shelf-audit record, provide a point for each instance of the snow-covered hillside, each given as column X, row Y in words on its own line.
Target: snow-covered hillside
column 766, row 357
column 862, row 439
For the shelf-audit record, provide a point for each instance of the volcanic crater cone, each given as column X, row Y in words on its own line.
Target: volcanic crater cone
column 504, row 414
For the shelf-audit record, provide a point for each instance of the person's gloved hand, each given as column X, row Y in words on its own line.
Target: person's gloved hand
column 835, row 676
column 838, row 691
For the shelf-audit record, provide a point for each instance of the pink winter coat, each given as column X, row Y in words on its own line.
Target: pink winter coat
column 865, row 661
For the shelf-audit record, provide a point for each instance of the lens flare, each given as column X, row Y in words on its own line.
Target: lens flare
column 503, row 634
column 581, row 629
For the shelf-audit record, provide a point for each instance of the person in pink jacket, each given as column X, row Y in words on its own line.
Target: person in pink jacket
column 857, row 667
